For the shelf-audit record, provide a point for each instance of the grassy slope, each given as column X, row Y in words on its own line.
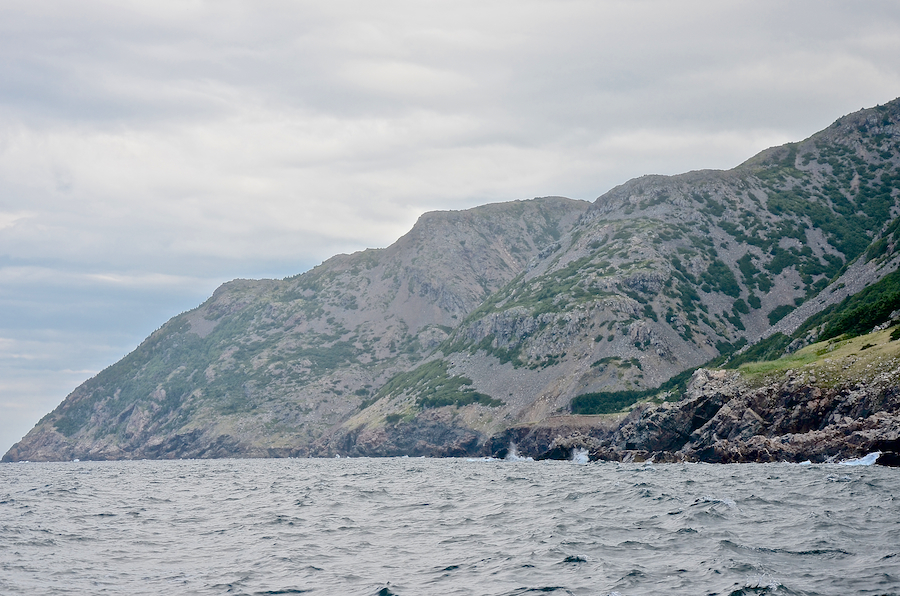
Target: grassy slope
column 835, row 362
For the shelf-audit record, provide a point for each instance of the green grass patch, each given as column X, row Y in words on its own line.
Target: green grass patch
column 834, row 362
column 781, row 364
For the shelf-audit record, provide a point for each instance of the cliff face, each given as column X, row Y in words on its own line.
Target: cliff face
column 477, row 322
column 722, row 420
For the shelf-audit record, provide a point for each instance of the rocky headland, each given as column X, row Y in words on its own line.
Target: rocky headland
column 549, row 324
column 830, row 402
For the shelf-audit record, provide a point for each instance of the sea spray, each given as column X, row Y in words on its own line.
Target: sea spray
column 580, row 456
column 513, row 454
column 867, row 460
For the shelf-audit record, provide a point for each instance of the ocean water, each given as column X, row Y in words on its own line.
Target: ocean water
column 447, row 526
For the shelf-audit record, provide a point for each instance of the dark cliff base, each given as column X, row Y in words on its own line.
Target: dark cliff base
column 431, row 434
column 721, row 419
column 724, row 420
column 555, row 438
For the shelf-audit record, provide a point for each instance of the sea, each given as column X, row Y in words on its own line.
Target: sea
column 406, row 526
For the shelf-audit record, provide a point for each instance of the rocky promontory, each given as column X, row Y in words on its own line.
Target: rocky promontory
column 723, row 420
column 843, row 404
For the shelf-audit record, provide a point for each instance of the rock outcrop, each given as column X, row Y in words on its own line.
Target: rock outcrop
column 724, row 419
column 832, row 401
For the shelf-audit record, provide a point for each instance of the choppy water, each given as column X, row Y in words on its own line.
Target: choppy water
column 419, row 527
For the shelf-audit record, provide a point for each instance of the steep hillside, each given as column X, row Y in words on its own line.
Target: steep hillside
column 662, row 275
column 264, row 367
column 480, row 321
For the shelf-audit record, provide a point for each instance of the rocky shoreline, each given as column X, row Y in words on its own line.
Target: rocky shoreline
column 724, row 419
column 721, row 418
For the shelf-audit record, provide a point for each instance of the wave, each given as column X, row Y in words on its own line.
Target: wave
column 867, row 460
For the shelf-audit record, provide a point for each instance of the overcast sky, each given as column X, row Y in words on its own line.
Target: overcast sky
column 151, row 150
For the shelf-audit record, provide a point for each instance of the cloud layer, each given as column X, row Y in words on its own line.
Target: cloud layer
column 149, row 151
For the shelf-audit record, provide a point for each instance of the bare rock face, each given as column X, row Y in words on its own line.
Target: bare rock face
column 554, row 438
column 723, row 419
column 669, row 427
column 432, row 434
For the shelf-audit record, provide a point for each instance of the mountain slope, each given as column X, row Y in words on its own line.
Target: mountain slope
column 508, row 314
column 264, row 367
column 662, row 275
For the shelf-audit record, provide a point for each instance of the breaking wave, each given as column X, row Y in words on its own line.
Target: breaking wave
column 868, row 460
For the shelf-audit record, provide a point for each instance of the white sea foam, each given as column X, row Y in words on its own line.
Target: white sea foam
column 763, row 582
column 580, row 456
column 867, row 460
column 513, row 454
column 730, row 503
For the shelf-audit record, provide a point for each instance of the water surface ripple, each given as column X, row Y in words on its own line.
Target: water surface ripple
column 442, row 526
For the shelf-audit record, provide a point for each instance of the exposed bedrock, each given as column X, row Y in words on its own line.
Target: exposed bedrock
column 724, row 419
column 555, row 438
column 430, row 434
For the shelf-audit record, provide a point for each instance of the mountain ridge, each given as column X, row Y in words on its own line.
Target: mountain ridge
column 480, row 320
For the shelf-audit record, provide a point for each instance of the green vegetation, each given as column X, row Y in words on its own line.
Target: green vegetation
column 864, row 310
column 855, row 315
column 434, row 387
column 844, row 214
column 770, row 348
column 605, row 402
column 833, row 362
column 167, row 373
column 610, row 402
column 754, row 301
column 554, row 291
column 720, row 278
column 779, row 312
column 73, row 419
column 619, row 362
column 784, row 363
column 504, row 355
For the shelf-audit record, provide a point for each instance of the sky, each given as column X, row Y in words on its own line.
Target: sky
column 152, row 150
